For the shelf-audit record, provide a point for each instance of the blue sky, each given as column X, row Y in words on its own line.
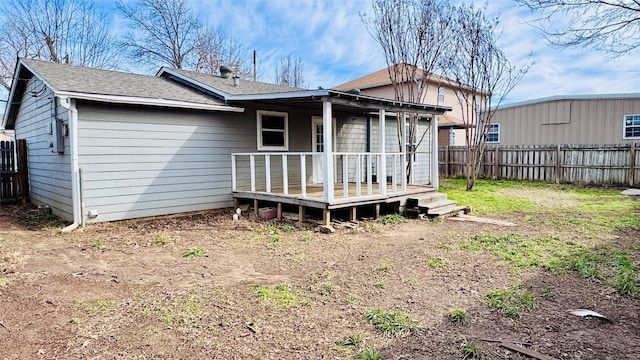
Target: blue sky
column 335, row 47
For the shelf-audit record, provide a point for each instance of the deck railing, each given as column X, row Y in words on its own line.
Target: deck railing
column 359, row 175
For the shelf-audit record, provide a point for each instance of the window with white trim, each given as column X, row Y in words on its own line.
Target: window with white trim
column 273, row 130
column 493, row 136
column 440, row 94
column 631, row 126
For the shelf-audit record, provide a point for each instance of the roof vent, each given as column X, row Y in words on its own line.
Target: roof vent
column 355, row 91
column 225, row 71
column 236, row 81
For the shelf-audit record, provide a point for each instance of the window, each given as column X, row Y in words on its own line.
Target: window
column 631, row 126
column 493, row 136
column 440, row 94
column 273, row 130
column 452, row 137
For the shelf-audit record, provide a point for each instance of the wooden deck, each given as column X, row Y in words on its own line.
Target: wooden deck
column 315, row 198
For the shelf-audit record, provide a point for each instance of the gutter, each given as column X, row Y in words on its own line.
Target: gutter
column 76, row 201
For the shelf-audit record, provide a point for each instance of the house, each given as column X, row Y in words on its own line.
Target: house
column 568, row 119
column 440, row 91
column 106, row 145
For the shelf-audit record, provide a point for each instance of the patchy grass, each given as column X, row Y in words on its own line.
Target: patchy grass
column 197, row 251
column 391, row 323
column 5, row 282
column 391, row 219
column 279, row 296
column 471, row 351
column 457, row 316
column 96, row 307
column 350, row 341
column 183, row 311
column 162, row 239
column 587, row 210
column 512, row 301
column 385, row 268
column 368, row 354
column 556, row 255
column 436, row 262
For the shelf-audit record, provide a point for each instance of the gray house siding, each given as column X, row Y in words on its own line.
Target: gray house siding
column 566, row 121
column 139, row 162
column 49, row 171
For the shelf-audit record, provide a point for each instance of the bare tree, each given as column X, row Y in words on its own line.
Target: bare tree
column 608, row 25
column 164, row 32
column 70, row 31
column 413, row 35
column 482, row 75
column 218, row 48
column 168, row 32
column 289, row 72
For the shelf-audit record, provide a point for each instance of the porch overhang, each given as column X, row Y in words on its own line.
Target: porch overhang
column 341, row 101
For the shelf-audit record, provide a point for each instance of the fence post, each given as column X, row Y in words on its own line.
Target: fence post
column 632, row 163
column 496, row 163
column 558, row 164
column 446, row 161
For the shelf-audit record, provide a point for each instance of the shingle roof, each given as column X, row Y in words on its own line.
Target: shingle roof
column 78, row 79
column 245, row 87
column 381, row 78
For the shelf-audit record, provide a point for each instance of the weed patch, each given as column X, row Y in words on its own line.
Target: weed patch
column 195, row 252
column 457, row 316
column 368, row 354
column 350, row 341
column 391, row 219
column 4, row 282
column 436, row 262
column 183, row 311
column 391, row 323
column 94, row 307
column 279, row 296
column 512, row 301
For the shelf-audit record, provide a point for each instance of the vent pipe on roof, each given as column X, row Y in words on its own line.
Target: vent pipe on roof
column 236, row 81
column 225, row 71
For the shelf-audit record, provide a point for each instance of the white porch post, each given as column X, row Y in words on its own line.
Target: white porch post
column 382, row 170
column 403, row 150
column 434, row 152
column 327, row 156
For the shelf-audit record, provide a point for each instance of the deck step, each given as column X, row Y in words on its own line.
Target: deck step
column 430, row 197
column 432, row 204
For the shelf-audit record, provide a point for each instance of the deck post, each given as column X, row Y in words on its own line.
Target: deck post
column 353, row 213
column 255, row 207
column 327, row 171
column 382, row 169
column 326, row 217
column 377, row 212
column 301, row 213
column 279, row 211
column 434, row 152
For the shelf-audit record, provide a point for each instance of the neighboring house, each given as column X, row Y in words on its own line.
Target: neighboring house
column 106, row 145
column 440, row 91
column 569, row 119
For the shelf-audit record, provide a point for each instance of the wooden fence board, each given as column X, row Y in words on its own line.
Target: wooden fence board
column 616, row 164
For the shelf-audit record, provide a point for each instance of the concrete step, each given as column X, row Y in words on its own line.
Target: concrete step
column 437, row 204
column 430, row 197
column 450, row 210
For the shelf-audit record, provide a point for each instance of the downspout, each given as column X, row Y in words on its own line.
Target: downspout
column 75, row 164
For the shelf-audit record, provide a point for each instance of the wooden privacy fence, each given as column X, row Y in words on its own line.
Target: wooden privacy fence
column 617, row 164
column 13, row 171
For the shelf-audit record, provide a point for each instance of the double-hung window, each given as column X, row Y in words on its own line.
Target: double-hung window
column 273, row 130
column 493, row 136
column 631, row 126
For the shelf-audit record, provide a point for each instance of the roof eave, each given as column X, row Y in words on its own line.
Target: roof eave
column 133, row 100
column 18, row 78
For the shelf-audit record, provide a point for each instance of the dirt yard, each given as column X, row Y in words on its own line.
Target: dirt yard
column 207, row 287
